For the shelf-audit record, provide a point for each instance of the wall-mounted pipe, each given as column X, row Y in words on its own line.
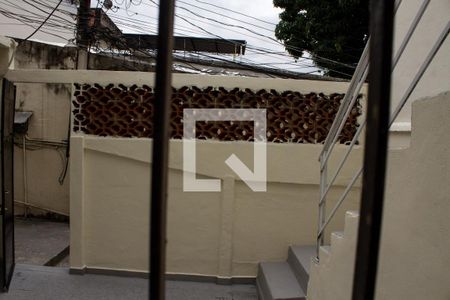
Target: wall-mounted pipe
column 24, row 169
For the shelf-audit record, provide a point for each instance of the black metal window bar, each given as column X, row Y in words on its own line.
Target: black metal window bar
column 158, row 207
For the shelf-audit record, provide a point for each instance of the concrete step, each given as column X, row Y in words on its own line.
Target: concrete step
column 299, row 258
column 351, row 222
column 336, row 237
column 324, row 253
column 276, row 281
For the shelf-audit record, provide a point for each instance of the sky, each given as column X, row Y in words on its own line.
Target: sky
column 200, row 18
column 19, row 18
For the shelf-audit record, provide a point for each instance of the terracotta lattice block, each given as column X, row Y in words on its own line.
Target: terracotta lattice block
column 127, row 111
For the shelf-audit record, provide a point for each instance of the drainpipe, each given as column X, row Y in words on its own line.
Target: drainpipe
column 25, row 181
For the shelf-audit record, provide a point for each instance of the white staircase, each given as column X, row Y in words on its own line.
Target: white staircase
column 290, row 280
column 286, row 280
column 336, row 265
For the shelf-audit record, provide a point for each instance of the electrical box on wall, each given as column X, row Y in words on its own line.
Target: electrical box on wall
column 21, row 121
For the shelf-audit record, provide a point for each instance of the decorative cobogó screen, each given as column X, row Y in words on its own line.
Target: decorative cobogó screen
column 292, row 117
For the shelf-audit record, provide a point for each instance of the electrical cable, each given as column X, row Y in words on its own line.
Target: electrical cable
column 46, row 19
column 270, row 38
column 236, row 12
column 262, row 35
column 136, row 25
column 261, row 50
column 257, row 49
column 66, row 165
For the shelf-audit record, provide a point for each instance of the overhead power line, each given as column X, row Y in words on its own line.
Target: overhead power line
column 222, row 15
column 254, row 49
column 137, row 25
column 140, row 25
column 236, row 12
column 46, row 19
column 209, row 33
column 28, row 18
column 184, row 18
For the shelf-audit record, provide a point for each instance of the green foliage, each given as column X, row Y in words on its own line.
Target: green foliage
column 333, row 29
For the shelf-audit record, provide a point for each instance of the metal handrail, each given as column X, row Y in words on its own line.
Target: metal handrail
column 343, row 118
column 348, row 108
column 339, row 121
column 397, row 5
column 342, row 162
column 423, row 67
column 410, row 32
column 347, row 104
column 341, row 199
column 337, row 125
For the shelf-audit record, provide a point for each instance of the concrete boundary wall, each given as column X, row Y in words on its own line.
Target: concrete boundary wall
column 214, row 235
column 221, row 235
column 47, row 94
column 179, row 80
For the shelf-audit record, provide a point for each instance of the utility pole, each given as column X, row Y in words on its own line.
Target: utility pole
column 83, row 35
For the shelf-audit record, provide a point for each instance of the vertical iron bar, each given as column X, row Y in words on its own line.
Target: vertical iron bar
column 381, row 33
column 322, row 203
column 163, row 91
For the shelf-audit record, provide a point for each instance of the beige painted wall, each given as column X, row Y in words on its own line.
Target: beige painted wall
column 209, row 233
column 39, row 91
column 415, row 237
column 435, row 79
column 50, row 104
column 222, row 234
column 415, row 243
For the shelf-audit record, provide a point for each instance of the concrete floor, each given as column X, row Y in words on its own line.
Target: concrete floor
column 53, row 283
column 39, row 240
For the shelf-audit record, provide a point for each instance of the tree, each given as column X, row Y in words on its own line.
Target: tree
column 327, row 29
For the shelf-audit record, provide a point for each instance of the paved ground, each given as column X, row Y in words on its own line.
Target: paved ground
column 53, row 283
column 38, row 240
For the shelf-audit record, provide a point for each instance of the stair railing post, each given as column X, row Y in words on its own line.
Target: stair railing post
column 322, row 204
